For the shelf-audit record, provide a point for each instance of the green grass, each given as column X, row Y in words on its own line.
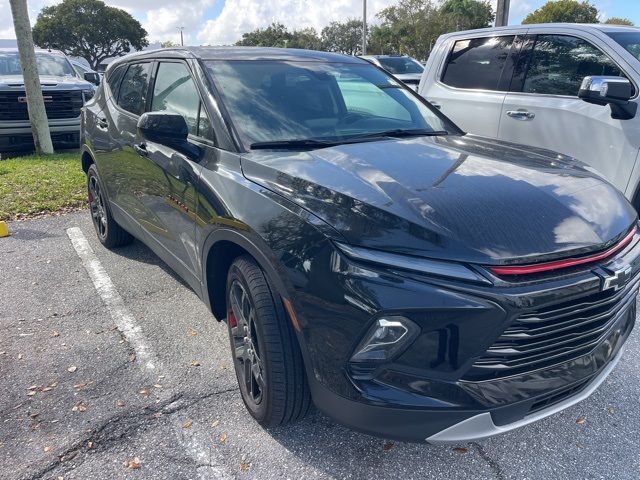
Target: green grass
column 34, row 185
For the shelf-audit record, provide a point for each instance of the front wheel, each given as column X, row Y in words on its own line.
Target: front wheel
column 266, row 354
column 109, row 232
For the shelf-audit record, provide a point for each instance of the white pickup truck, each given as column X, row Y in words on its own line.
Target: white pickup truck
column 572, row 88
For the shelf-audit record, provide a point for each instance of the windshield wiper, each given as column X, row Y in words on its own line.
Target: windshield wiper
column 294, row 143
column 399, row 132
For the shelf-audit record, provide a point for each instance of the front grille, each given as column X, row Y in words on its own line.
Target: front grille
column 58, row 104
column 556, row 334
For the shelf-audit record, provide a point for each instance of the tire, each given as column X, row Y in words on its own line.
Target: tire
column 109, row 233
column 283, row 397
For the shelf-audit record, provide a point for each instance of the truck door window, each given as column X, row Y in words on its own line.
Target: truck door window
column 560, row 62
column 478, row 63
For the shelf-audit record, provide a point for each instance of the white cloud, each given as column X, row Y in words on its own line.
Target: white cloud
column 239, row 16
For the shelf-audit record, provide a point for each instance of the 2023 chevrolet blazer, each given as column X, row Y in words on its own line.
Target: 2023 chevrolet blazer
column 413, row 281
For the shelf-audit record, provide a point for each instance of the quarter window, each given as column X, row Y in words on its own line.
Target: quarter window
column 133, row 89
column 113, row 79
column 477, row 63
column 174, row 91
column 560, row 62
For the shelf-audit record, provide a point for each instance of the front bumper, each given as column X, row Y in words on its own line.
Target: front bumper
column 451, row 384
column 16, row 135
column 482, row 425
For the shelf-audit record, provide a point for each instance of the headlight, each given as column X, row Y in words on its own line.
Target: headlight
column 386, row 338
column 415, row 264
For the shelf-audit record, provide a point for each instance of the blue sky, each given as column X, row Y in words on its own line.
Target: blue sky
column 219, row 22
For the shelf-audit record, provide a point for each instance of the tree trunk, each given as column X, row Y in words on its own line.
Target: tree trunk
column 35, row 102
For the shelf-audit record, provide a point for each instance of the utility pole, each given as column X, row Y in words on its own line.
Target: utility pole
column 32, row 87
column 502, row 13
column 181, row 37
column 364, row 27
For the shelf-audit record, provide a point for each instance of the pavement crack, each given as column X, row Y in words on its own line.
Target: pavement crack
column 493, row 464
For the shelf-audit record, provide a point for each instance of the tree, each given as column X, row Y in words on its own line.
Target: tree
column 466, row 14
column 306, row 38
column 89, row 29
column 569, row 11
column 275, row 35
column 413, row 26
column 168, row 44
column 33, row 89
column 619, row 21
column 343, row 37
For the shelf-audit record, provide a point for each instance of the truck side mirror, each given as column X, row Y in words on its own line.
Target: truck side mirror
column 613, row 91
column 92, row 77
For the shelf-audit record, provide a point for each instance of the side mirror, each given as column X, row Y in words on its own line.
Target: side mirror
column 92, row 77
column 168, row 129
column 613, row 91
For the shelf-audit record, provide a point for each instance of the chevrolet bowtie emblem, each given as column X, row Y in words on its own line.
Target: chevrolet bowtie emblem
column 617, row 278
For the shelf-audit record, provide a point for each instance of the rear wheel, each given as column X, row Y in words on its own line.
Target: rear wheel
column 109, row 232
column 266, row 354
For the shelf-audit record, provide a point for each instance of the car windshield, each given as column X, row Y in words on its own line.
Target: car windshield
column 48, row 64
column 398, row 65
column 630, row 41
column 279, row 101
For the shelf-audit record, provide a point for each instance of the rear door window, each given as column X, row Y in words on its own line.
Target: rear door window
column 133, row 89
column 114, row 78
column 560, row 62
column 478, row 63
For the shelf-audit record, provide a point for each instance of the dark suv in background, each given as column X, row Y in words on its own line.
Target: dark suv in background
column 64, row 92
column 416, row 282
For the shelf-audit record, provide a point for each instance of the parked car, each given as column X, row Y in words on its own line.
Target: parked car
column 64, row 94
column 522, row 84
column 86, row 72
column 415, row 281
column 403, row 67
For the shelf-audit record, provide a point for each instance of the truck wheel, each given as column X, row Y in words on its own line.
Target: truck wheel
column 266, row 354
column 109, row 232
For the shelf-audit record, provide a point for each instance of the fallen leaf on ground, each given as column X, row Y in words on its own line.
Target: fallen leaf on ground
column 120, row 403
column 79, row 407
column 581, row 421
column 20, row 356
column 80, row 386
column 157, row 385
column 132, row 464
column 46, row 389
column 192, row 332
column 72, row 369
column 89, row 445
column 460, row 450
column 223, row 438
column 187, row 424
column 244, row 466
column 132, row 357
column 31, row 393
column 55, row 333
column 195, row 363
column 47, row 449
column 216, row 423
column 144, row 391
column 387, row 446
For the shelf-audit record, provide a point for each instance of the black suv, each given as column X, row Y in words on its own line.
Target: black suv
column 416, row 282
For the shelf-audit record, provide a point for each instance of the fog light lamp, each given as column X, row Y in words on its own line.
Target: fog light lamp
column 386, row 338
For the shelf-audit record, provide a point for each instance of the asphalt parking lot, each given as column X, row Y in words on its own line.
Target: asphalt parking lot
column 142, row 386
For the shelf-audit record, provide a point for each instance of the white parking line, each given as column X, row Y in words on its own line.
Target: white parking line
column 111, row 298
column 211, row 461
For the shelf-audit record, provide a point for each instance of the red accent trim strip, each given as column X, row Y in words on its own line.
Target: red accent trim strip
column 570, row 262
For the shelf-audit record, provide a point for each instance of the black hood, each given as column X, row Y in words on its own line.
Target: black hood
column 456, row 197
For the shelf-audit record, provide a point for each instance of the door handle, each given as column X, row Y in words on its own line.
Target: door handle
column 141, row 149
column 521, row 114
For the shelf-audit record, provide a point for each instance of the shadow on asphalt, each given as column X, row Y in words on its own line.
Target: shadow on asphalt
column 139, row 252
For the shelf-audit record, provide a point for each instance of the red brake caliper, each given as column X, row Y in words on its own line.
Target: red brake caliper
column 231, row 319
